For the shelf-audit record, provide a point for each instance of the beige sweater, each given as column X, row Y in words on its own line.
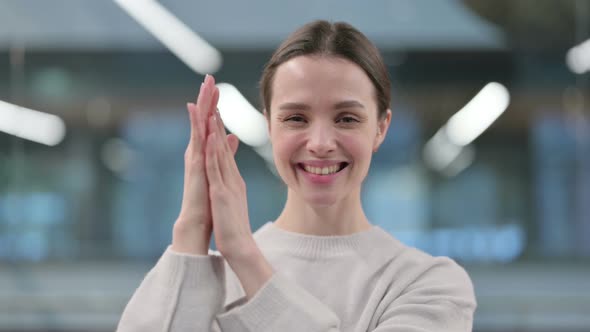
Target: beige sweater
column 367, row 281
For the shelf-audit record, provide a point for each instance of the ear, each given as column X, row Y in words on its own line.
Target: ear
column 382, row 127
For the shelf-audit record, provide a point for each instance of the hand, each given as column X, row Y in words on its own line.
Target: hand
column 229, row 208
column 192, row 230
column 227, row 192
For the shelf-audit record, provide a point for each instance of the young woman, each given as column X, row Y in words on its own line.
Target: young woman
column 321, row 265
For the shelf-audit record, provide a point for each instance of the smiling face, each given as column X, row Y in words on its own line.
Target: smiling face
column 323, row 127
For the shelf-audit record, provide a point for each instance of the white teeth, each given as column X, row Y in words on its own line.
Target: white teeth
column 322, row 170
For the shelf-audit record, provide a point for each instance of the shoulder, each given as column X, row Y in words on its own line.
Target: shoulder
column 428, row 293
column 410, row 271
column 429, row 278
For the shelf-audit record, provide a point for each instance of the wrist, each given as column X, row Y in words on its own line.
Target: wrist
column 191, row 239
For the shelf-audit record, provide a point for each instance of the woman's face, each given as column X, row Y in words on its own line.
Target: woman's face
column 323, row 127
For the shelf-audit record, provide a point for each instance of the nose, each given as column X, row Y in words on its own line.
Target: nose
column 322, row 140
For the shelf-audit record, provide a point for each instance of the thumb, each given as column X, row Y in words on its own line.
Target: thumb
column 233, row 143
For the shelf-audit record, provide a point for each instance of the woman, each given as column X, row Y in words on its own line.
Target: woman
column 321, row 265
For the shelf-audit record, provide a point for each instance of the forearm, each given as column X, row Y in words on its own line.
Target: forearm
column 251, row 267
column 181, row 292
column 280, row 305
column 191, row 239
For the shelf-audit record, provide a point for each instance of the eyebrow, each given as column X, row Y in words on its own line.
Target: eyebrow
column 349, row 104
column 292, row 106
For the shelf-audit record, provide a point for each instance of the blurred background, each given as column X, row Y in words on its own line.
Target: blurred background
column 487, row 160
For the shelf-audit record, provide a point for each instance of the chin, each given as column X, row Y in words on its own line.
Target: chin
column 321, row 199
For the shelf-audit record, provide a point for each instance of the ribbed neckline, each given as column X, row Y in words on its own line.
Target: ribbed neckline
column 315, row 246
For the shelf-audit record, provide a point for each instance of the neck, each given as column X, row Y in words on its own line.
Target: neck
column 344, row 217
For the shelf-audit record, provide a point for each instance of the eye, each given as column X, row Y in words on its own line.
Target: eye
column 295, row 118
column 348, row 119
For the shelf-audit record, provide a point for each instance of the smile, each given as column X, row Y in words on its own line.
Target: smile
column 324, row 170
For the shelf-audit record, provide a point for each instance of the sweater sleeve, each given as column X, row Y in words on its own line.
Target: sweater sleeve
column 280, row 305
column 440, row 299
column 181, row 293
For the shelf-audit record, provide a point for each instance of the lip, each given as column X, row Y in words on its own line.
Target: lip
column 321, row 179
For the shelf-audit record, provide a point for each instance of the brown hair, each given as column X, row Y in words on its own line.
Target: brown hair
column 333, row 39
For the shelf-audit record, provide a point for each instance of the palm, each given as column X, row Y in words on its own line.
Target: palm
column 195, row 219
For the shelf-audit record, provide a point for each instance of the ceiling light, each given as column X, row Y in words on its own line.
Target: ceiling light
column 31, row 125
column 191, row 49
column 479, row 113
column 578, row 58
column 240, row 117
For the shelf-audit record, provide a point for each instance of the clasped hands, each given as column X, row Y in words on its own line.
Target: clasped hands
column 214, row 197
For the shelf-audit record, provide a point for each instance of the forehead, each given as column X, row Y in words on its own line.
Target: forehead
column 321, row 79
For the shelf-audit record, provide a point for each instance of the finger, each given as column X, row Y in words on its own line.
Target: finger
column 193, row 120
column 233, row 142
column 227, row 163
column 204, row 104
column 224, row 156
column 211, row 164
column 196, row 143
column 213, row 93
column 201, row 124
column 214, row 100
column 204, row 98
column 197, row 128
column 200, row 95
column 221, row 131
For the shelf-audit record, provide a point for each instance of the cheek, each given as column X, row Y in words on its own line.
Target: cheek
column 283, row 146
column 358, row 146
